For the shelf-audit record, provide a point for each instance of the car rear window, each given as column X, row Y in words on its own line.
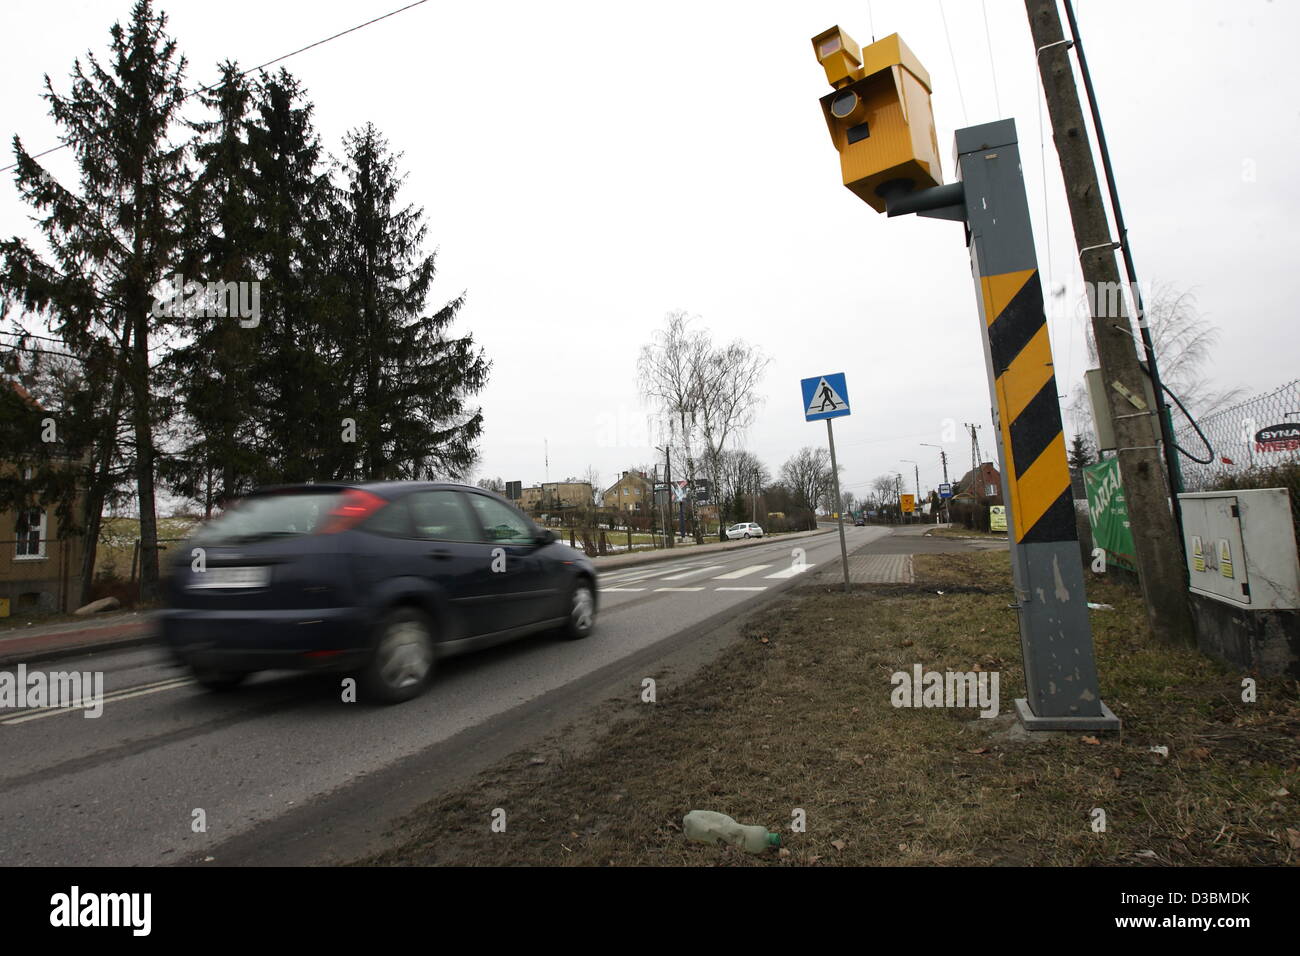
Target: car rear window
column 280, row 514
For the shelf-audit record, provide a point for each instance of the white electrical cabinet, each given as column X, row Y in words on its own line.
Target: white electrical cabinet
column 1240, row 547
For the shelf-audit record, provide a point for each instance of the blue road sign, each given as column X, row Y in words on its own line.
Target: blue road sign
column 825, row 396
column 945, row 490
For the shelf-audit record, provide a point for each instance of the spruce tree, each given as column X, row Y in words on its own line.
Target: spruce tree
column 299, row 427
column 407, row 379
column 112, row 239
column 210, row 371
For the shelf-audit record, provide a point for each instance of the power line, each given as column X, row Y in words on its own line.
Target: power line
column 951, row 56
column 205, row 89
column 997, row 100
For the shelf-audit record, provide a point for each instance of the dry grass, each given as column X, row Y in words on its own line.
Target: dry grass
column 798, row 715
column 961, row 531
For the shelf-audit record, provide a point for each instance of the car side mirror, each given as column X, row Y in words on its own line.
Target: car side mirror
column 545, row 536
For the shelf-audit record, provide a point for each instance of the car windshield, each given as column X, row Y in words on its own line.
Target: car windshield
column 274, row 515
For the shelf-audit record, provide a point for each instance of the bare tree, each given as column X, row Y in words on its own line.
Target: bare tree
column 729, row 400
column 704, row 395
column 669, row 375
column 1184, row 342
column 592, row 477
column 492, row 484
column 740, row 473
column 807, row 474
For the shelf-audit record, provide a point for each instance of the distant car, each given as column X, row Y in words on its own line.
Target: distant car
column 380, row 578
column 859, row 521
column 746, row 529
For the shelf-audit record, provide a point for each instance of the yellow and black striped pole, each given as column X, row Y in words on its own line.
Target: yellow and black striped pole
column 1055, row 634
column 880, row 121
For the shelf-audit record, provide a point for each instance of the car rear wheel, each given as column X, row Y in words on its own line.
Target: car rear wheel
column 210, row 678
column 402, row 664
column 582, row 611
column 746, row 534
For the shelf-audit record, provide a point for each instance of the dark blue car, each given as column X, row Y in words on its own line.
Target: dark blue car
column 379, row 578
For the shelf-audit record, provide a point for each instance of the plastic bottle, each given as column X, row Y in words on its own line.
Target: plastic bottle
column 706, row 826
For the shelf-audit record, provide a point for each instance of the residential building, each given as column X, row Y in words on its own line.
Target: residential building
column 555, row 496
column 40, row 566
column 529, row 498
column 632, row 492
column 982, row 484
column 558, row 495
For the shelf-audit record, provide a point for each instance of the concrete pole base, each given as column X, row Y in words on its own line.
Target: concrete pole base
column 1031, row 721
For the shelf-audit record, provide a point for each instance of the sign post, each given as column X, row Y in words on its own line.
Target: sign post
column 827, row 396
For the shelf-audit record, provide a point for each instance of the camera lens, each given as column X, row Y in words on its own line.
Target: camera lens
column 844, row 104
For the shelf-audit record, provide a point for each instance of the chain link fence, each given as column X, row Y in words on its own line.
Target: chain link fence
column 1259, row 435
column 1255, row 445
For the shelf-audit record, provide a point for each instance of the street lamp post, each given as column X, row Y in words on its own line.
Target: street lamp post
column 943, row 457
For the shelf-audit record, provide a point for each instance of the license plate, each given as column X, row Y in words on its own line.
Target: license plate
column 231, row 578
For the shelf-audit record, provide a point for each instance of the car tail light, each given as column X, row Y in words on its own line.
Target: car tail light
column 354, row 507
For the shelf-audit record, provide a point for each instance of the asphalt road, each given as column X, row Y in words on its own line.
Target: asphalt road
column 283, row 771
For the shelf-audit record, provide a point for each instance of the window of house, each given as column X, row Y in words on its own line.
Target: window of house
column 990, row 490
column 30, row 532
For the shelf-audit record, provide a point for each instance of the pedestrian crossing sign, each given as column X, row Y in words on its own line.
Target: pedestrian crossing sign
column 825, row 396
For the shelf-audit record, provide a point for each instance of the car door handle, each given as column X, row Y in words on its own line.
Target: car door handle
column 440, row 554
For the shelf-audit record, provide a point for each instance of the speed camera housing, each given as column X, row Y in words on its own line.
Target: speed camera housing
column 879, row 116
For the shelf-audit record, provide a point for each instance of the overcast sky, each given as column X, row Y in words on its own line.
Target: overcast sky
column 587, row 167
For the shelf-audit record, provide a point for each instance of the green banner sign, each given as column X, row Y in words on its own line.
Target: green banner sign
column 1108, row 513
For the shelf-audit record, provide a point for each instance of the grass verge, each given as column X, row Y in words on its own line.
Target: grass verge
column 960, row 531
column 797, row 715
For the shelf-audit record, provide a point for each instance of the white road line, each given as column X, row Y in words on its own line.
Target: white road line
column 643, row 574
column 687, row 574
column 764, row 588
column 731, row 575
column 125, row 694
column 790, row 572
column 678, row 589
column 622, row 589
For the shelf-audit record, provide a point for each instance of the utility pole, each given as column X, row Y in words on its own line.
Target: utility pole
column 916, row 468
column 1153, row 367
column 943, row 457
column 670, row 541
column 974, row 445
column 1156, row 540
